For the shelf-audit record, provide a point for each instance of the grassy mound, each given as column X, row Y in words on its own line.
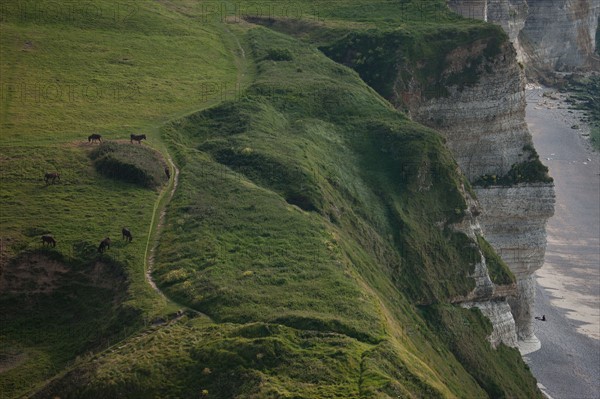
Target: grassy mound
column 130, row 163
column 374, row 240
column 200, row 360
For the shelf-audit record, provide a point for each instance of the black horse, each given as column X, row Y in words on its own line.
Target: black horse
column 104, row 245
column 137, row 137
column 51, row 176
column 94, row 137
column 126, row 234
column 167, row 172
column 48, row 239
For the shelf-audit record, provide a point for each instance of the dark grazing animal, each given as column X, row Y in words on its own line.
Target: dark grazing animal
column 167, row 172
column 543, row 318
column 104, row 245
column 127, row 234
column 137, row 137
column 51, row 176
column 48, row 239
column 95, row 137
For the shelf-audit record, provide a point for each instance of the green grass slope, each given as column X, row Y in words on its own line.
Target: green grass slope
column 312, row 224
column 69, row 70
column 58, row 315
column 310, row 221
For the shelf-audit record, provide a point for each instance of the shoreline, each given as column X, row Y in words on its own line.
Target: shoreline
column 571, row 249
column 568, row 284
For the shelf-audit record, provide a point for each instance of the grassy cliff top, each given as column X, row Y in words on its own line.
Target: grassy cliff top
column 310, row 237
column 306, row 229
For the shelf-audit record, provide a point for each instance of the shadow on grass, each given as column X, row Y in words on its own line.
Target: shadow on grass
column 55, row 310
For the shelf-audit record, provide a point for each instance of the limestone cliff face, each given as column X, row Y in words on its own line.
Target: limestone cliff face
column 559, row 35
column 490, row 298
column 484, row 123
column 473, row 92
column 485, row 128
column 501, row 318
column 510, row 14
column 549, row 35
column 514, row 222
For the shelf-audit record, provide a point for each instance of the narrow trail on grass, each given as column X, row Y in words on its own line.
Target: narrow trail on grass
column 239, row 46
column 160, row 207
column 151, row 251
column 160, row 210
column 240, row 58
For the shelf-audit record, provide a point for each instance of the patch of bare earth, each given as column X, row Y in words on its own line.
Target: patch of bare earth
column 35, row 273
column 11, row 358
column 31, row 274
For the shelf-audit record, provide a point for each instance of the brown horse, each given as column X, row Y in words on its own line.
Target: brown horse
column 104, row 245
column 95, row 137
column 137, row 137
column 48, row 239
column 126, row 234
column 51, row 176
column 167, row 172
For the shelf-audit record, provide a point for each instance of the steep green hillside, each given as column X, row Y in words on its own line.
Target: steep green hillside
column 313, row 231
column 311, row 238
column 68, row 71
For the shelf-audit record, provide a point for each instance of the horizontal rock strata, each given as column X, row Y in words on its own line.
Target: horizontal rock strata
column 549, row 35
column 484, row 124
column 514, row 222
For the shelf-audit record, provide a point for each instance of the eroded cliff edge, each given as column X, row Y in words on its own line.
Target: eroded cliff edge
column 473, row 93
column 486, row 130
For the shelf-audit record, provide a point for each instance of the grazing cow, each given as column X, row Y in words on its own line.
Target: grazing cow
column 51, row 176
column 167, row 172
column 95, row 137
column 543, row 318
column 137, row 137
column 104, row 245
column 48, row 239
column 127, row 234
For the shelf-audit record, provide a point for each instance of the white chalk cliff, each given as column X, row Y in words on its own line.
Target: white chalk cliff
column 484, row 124
column 514, row 222
column 490, row 298
column 548, row 35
